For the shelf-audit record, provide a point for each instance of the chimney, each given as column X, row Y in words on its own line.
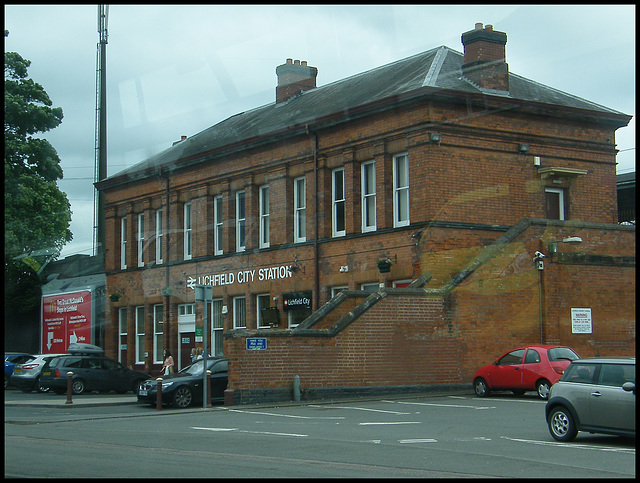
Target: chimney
column 484, row 58
column 293, row 78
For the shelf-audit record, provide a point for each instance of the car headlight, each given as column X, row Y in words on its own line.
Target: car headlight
column 167, row 384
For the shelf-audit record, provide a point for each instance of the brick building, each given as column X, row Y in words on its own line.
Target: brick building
column 445, row 164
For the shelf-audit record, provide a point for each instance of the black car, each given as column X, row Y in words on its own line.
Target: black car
column 92, row 371
column 184, row 388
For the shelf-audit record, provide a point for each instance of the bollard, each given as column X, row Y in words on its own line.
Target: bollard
column 296, row 388
column 228, row 397
column 69, row 387
column 159, row 395
column 208, row 388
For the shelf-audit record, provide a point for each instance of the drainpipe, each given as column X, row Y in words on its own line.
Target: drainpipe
column 316, row 277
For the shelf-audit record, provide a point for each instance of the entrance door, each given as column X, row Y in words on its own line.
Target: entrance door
column 187, row 342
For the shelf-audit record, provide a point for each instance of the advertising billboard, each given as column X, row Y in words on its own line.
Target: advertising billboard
column 66, row 318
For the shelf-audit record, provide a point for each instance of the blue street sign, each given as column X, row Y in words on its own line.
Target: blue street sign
column 256, row 344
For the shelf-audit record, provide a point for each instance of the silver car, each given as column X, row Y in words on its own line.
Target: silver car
column 26, row 376
column 596, row 395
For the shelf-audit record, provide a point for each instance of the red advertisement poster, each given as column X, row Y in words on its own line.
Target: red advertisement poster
column 66, row 318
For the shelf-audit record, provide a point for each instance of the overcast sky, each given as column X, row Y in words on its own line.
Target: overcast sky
column 176, row 70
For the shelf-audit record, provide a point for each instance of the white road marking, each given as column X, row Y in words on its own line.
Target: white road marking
column 365, row 409
column 285, row 415
column 573, row 445
column 411, row 441
column 464, row 406
column 251, row 432
column 390, row 423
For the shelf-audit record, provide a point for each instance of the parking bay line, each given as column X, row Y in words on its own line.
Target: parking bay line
column 270, row 433
column 572, row 445
column 462, row 406
column 362, row 409
column 285, row 415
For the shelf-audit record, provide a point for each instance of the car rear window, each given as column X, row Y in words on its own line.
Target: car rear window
column 580, row 373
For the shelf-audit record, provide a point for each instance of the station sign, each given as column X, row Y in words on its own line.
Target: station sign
column 66, row 318
column 296, row 300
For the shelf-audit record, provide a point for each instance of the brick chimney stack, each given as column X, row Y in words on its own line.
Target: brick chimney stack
column 485, row 59
column 293, row 78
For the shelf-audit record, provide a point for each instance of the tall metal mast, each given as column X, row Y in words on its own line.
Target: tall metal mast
column 100, row 133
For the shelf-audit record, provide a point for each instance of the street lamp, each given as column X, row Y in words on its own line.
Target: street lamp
column 572, row 240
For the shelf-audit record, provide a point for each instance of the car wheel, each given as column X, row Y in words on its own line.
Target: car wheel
column 39, row 387
column 182, row 397
column 481, row 388
column 136, row 386
column 543, row 388
column 78, row 386
column 561, row 425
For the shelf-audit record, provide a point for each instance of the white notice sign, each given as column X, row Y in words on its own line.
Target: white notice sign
column 581, row 321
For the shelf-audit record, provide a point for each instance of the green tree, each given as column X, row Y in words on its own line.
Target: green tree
column 37, row 214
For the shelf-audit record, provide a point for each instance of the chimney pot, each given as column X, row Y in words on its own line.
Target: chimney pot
column 484, row 61
column 489, row 27
column 289, row 61
column 478, row 26
column 304, row 63
column 296, row 62
column 294, row 77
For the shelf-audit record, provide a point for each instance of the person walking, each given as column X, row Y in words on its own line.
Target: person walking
column 193, row 355
column 167, row 367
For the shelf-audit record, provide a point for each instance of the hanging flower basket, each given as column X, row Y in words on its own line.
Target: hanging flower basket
column 115, row 296
column 384, row 265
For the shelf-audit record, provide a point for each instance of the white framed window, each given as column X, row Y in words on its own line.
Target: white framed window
column 141, row 240
column 370, row 287
column 368, row 196
column 123, row 243
column 240, row 221
column 140, row 335
column 122, row 330
column 264, row 216
column 217, row 225
column 338, row 203
column 239, row 312
column 159, row 238
column 401, row 190
column 158, row 333
column 336, row 290
column 216, row 327
column 263, row 301
column 299, row 210
column 187, row 231
column 554, row 203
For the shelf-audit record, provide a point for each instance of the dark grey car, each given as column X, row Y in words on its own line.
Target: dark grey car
column 596, row 395
column 91, row 370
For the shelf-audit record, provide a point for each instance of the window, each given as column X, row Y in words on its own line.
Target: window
column 141, row 240
column 370, row 287
column 216, row 327
column 299, row 210
column 217, row 226
column 122, row 329
column 240, row 221
column 263, row 301
column 400, row 190
column 187, row 231
column 159, row 236
column 532, row 357
column 512, row 358
column 264, row 217
column 554, row 203
column 140, row 335
column 239, row 313
column 336, row 290
column 369, row 196
column 338, row 203
column 185, row 310
column 123, row 243
column 158, row 330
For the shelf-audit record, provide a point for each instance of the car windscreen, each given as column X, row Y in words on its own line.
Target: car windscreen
column 562, row 354
column 196, row 368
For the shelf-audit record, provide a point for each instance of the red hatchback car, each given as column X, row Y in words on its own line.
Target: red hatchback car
column 530, row 368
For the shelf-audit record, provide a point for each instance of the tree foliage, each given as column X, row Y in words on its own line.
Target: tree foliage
column 37, row 213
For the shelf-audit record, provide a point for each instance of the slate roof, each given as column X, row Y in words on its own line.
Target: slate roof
column 435, row 71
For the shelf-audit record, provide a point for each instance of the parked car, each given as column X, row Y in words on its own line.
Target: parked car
column 596, row 395
column 184, row 388
column 10, row 360
column 92, row 371
column 26, row 376
column 530, row 368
